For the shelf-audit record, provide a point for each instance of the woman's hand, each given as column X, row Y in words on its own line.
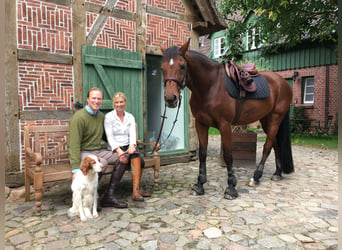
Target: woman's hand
column 131, row 149
column 123, row 157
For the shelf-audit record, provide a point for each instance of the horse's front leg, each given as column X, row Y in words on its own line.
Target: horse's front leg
column 226, row 137
column 202, row 133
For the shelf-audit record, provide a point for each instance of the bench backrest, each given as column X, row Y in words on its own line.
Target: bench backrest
column 51, row 141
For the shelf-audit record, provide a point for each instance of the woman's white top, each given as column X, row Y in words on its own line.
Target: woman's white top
column 120, row 133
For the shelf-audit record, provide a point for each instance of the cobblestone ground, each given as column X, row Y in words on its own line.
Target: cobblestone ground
column 299, row 212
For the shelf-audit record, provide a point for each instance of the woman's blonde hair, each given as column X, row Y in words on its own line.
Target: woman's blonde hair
column 117, row 95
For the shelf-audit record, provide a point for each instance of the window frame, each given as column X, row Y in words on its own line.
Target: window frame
column 218, row 47
column 252, row 38
column 306, row 85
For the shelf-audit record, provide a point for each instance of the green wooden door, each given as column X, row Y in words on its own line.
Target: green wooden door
column 112, row 71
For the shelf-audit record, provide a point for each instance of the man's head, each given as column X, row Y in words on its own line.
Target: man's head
column 95, row 99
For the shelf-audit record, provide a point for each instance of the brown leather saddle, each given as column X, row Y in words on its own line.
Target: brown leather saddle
column 242, row 76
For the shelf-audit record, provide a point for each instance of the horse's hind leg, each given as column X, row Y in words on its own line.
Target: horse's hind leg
column 226, row 137
column 277, row 174
column 271, row 132
column 202, row 133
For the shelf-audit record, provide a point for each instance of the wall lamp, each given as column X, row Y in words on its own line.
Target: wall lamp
column 295, row 75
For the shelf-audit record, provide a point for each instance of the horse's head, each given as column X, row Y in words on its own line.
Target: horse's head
column 174, row 72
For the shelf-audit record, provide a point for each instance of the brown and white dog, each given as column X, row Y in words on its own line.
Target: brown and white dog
column 84, row 188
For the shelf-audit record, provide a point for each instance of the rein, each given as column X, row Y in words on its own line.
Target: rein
column 162, row 125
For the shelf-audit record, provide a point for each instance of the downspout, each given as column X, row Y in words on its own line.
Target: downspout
column 326, row 113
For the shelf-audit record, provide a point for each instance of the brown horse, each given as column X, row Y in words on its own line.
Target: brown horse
column 212, row 106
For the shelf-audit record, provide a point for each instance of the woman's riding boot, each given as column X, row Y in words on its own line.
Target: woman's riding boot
column 109, row 199
column 136, row 172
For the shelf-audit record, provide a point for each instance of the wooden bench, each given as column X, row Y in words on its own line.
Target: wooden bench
column 47, row 158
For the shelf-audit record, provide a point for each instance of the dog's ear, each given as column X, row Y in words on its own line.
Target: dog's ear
column 86, row 164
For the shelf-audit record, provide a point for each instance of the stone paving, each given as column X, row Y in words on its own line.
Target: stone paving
column 299, row 212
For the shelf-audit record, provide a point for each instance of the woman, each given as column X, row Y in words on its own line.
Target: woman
column 120, row 129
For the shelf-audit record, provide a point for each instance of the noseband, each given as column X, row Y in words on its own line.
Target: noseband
column 179, row 83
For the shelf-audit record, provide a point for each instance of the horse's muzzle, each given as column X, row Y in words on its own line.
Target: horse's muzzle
column 171, row 102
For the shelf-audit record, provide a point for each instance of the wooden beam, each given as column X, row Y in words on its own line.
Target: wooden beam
column 59, row 2
column 153, row 50
column 79, row 38
column 11, row 107
column 100, row 21
column 140, row 39
column 36, row 115
column 169, row 14
column 43, row 56
column 199, row 24
column 116, row 13
column 206, row 11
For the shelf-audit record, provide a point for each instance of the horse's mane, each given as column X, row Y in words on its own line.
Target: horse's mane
column 203, row 59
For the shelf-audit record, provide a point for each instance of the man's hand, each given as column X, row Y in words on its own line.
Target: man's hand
column 74, row 171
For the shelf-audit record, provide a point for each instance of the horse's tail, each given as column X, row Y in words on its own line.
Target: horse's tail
column 284, row 145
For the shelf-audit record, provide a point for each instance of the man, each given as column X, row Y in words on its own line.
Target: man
column 85, row 137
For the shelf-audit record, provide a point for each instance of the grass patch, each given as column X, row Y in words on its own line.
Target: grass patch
column 213, row 131
column 330, row 141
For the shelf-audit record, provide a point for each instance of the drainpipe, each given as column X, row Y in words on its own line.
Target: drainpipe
column 326, row 113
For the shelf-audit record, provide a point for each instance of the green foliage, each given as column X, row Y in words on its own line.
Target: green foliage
column 299, row 121
column 281, row 21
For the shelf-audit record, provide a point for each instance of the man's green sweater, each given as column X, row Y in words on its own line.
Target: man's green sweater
column 86, row 133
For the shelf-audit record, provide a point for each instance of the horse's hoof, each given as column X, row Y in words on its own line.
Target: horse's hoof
column 197, row 190
column 230, row 193
column 253, row 183
column 276, row 177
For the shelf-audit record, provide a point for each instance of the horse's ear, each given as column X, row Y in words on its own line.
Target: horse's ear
column 162, row 48
column 184, row 47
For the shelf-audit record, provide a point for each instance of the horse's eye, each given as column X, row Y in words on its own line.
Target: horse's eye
column 182, row 66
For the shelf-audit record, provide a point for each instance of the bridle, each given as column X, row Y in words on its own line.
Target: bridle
column 181, row 84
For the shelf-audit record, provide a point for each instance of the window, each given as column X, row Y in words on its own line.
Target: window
column 202, row 41
column 253, row 39
column 218, row 47
column 308, row 90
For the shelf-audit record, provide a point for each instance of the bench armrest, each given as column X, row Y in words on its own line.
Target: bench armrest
column 34, row 156
column 140, row 143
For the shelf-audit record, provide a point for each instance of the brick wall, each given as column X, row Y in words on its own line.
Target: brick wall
column 316, row 111
column 44, row 86
column 44, row 27
column 165, row 31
